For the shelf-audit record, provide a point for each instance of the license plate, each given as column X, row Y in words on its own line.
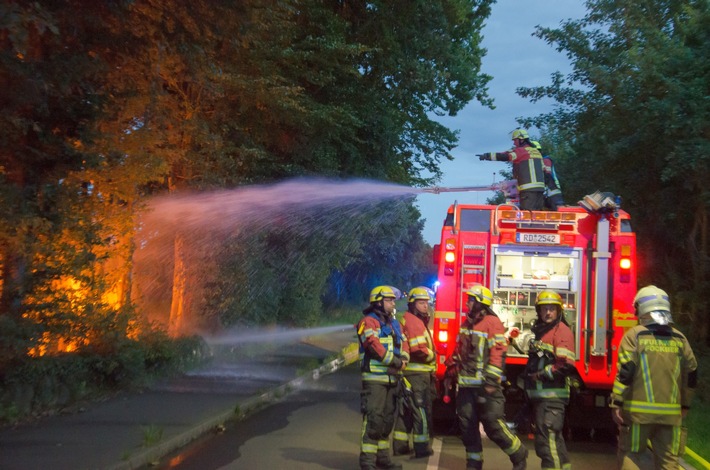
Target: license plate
column 538, row 238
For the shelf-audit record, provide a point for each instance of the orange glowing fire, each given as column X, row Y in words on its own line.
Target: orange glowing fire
column 73, row 290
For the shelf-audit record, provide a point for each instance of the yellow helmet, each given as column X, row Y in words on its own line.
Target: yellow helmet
column 382, row 292
column 482, row 294
column 548, row 297
column 520, row 134
column 653, row 306
column 419, row 293
column 536, row 144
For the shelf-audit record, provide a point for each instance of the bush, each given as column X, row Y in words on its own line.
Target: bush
column 33, row 386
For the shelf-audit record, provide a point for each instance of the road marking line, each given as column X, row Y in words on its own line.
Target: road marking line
column 697, row 458
column 433, row 462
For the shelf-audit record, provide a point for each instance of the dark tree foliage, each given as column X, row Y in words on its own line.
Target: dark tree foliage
column 108, row 103
column 633, row 119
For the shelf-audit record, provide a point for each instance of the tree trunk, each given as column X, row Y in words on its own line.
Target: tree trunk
column 179, row 301
column 11, row 283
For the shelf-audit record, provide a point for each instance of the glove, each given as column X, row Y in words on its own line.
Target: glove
column 395, row 365
column 482, row 156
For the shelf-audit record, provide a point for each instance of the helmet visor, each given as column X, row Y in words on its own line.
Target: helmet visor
column 661, row 317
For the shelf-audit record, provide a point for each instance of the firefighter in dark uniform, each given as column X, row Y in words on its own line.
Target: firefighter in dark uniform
column 527, row 169
column 479, row 360
column 550, row 362
column 553, row 189
column 384, row 352
column 654, row 386
column 414, row 413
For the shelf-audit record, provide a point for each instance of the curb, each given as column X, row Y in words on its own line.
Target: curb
column 346, row 356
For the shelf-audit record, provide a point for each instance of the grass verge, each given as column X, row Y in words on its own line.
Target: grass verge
column 698, row 422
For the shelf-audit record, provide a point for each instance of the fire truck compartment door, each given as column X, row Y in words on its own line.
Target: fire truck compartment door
column 536, row 268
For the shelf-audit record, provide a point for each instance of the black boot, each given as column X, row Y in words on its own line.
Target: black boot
column 520, row 458
column 401, row 449
column 367, row 461
column 475, row 464
column 384, row 461
column 420, row 453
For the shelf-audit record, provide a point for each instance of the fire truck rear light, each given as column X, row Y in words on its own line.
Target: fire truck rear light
column 625, row 270
column 443, row 336
column 450, row 244
column 449, row 257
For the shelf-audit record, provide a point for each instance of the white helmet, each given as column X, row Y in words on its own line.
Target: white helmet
column 653, row 306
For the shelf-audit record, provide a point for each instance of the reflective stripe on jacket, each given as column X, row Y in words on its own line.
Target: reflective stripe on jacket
column 654, row 366
column 480, row 352
column 527, row 167
column 380, row 343
column 421, row 346
column 552, row 357
column 552, row 183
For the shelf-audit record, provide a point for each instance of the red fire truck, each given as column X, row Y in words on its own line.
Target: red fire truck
column 586, row 254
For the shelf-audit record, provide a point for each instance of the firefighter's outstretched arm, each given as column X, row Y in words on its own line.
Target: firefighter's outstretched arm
column 496, row 156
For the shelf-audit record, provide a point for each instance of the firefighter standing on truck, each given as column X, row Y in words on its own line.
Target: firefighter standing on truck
column 654, row 386
column 550, row 361
column 527, row 169
column 384, row 352
column 417, row 390
column 479, row 360
column 553, row 189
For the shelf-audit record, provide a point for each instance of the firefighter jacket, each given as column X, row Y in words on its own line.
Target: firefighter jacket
column 480, row 352
column 552, row 183
column 550, row 361
column 421, row 346
column 383, row 347
column 527, row 166
column 657, row 375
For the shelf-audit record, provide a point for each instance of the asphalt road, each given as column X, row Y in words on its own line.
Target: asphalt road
column 318, row 427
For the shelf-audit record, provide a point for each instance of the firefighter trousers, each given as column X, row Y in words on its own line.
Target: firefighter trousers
column 552, row 203
column 666, row 446
column 532, row 200
column 378, row 406
column 549, row 440
column 474, row 406
column 414, row 415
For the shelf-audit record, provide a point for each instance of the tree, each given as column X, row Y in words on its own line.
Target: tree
column 634, row 114
column 107, row 104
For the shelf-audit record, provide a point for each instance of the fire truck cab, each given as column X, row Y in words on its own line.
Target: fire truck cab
column 586, row 254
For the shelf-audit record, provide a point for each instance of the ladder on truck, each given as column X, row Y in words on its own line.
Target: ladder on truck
column 474, row 259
